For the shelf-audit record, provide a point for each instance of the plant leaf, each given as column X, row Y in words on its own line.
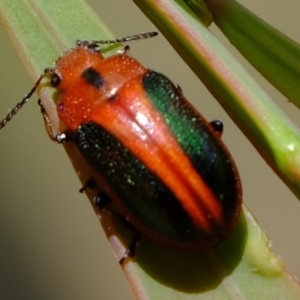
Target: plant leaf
column 273, row 54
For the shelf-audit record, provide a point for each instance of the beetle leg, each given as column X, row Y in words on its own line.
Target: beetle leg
column 101, row 199
column 47, row 121
column 217, row 126
column 59, row 138
column 89, row 184
column 131, row 250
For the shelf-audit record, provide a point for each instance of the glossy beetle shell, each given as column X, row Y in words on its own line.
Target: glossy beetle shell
column 158, row 159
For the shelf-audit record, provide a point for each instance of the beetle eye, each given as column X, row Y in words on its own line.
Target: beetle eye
column 55, row 80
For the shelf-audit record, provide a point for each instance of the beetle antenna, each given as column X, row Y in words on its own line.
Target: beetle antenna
column 129, row 38
column 16, row 109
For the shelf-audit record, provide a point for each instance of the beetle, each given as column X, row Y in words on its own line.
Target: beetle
column 163, row 166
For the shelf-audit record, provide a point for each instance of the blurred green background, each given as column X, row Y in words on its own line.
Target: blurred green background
column 51, row 244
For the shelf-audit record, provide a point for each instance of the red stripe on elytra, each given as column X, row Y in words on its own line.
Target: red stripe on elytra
column 134, row 121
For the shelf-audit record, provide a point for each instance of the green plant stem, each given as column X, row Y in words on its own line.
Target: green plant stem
column 273, row 54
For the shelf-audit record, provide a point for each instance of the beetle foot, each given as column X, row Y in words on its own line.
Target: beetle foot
column 131, row 250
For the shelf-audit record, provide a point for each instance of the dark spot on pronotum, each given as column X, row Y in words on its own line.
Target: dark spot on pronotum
column 93, row 77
